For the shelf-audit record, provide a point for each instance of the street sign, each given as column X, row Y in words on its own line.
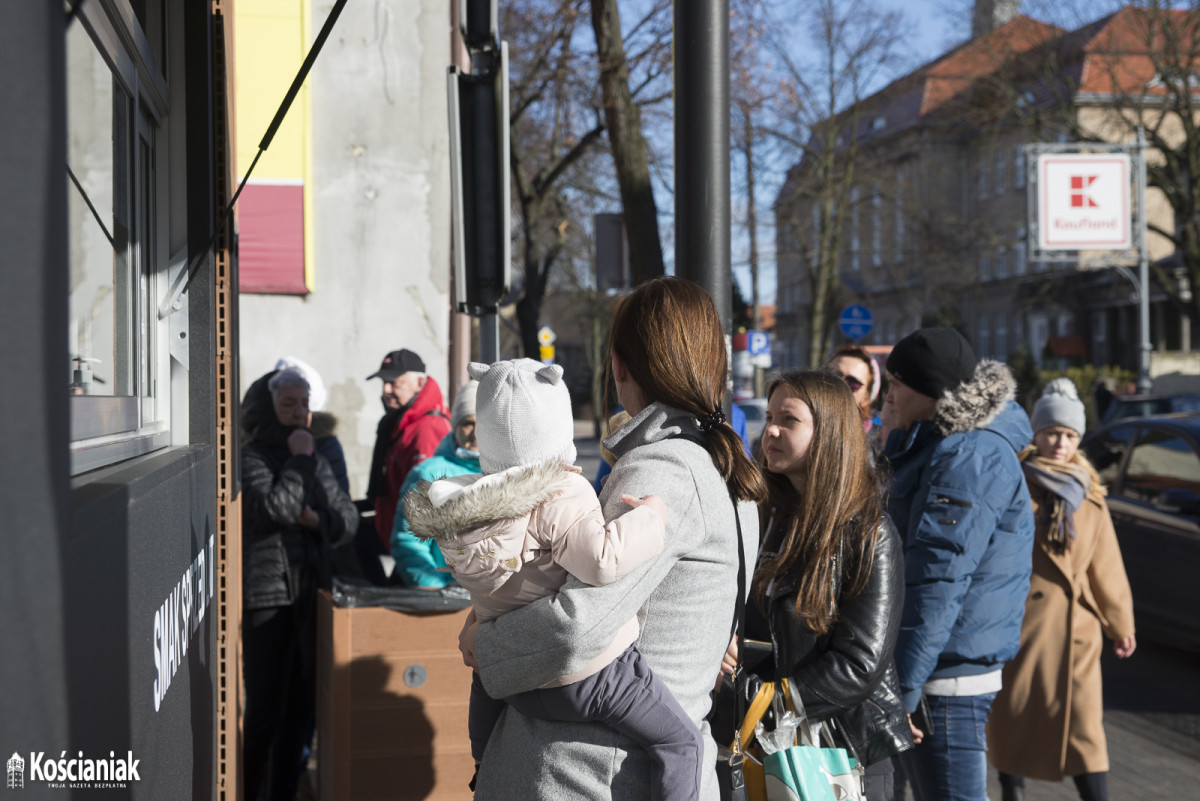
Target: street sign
column 758, row 343
column 546, row 335
column 1083, row 201
column 547, row 353
column 856, row 321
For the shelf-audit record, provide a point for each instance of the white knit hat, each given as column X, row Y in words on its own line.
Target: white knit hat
column 1059, row 406
column 464, row 403
column 522, row 413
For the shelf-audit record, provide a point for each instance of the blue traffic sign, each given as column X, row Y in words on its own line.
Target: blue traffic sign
column 856, row 321
column 758, row 343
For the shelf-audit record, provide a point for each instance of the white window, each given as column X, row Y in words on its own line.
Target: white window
column 1001, row 170
column 1019, row 262
column 1019, row 167
column 118, row 371
column 1039, row 335
column 1002, row 261
column 1001, row 350
column 1065, row 322
column 854, row 239
column 985, row 337
column 876, row 229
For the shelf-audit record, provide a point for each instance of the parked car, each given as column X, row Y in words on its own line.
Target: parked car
column 756, row 417
column 1151, row 467
column 1147, row 405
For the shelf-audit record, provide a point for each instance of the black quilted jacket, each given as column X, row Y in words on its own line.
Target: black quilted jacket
column 281, row 560
column 847, row 676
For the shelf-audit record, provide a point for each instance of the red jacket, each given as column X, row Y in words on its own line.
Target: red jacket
column 416, row 436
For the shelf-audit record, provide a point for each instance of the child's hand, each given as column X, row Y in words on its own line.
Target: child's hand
column 653, row 501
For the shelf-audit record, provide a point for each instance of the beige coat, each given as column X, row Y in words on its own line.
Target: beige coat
column 1047, row 721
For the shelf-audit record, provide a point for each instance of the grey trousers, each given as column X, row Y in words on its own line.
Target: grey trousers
column 625, row 695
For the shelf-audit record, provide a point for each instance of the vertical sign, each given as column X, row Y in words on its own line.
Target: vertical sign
column 1083, row 202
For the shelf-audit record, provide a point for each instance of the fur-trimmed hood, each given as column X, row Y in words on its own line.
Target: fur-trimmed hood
column 978, row 402
column 466, row 508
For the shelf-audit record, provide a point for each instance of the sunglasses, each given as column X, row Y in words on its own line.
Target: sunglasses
column 852, row 382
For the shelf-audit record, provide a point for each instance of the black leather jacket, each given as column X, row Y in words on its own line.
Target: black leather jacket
column 847, row 676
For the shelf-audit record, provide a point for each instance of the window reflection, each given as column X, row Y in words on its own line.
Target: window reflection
column 1161, row 462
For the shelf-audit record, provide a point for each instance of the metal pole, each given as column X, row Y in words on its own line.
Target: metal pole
column 702, row 216
column 489, row 338
column 1143, row 270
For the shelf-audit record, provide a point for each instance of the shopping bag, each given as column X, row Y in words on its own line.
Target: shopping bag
column 812, row 773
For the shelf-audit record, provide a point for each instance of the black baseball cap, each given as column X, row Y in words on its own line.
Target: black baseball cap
column 397, row 363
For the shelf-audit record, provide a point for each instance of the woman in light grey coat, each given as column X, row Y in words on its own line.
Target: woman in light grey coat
column 668, row 364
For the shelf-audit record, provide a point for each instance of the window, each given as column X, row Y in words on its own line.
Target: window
column 1106, row 452
column 876, row 229
column 899, row 224
column 118, row 368
column 985, row 266
column 1019, row 167
column 983, row 175
column 985, row 337
column 1163, row 469
column 1002, row 261
column 1039, row 335
column 1001, row 350
column 1020, row 265
column 854, row 239
column 1001, row 170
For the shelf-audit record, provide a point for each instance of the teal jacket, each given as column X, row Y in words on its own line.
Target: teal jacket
column 417, row 561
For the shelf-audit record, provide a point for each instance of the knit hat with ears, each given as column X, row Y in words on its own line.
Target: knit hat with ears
column 522, row 414
column 1059, row 406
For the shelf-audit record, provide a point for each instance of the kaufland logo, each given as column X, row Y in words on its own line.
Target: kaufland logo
column 75, row 772
column 1081, row 196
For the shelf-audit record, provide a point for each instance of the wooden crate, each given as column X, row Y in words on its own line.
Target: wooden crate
column 392, row 695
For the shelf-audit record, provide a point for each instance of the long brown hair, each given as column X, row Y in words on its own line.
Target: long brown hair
column 669, row 336
column 831, row 526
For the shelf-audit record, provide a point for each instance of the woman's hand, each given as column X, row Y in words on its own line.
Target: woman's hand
column 1125, row 647
column 300, row 442
column 917, row 734
column 466, row 639
column 309, row 518
column 728, row 662
column 652, row 501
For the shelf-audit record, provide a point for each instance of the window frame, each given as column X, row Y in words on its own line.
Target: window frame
column 106, row 429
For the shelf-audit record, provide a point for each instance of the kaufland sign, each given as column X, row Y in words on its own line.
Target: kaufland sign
column 1084, row 202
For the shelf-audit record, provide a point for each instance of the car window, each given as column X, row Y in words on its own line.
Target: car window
column 1163, row 470
column 1106, row 451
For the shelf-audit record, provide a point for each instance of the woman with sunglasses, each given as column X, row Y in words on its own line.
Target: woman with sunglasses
column 860, row 372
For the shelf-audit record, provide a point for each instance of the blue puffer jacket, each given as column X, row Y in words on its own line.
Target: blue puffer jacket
column 417, row 561
column 960, row 501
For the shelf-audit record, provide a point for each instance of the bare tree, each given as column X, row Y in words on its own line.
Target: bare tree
column 853, row 46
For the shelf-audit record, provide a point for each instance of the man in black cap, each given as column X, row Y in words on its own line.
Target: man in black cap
column 415, row 420
column 959, row 499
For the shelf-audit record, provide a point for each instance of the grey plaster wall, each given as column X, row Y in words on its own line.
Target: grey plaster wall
column 381, row 221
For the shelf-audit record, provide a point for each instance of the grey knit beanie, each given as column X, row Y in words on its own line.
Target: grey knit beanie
column 464, row 403
column 1059, row 406
column 522, row 413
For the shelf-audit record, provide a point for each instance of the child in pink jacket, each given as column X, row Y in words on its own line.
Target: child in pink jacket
column 512, row 534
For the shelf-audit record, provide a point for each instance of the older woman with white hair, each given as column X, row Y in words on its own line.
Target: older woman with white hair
column 293, row 512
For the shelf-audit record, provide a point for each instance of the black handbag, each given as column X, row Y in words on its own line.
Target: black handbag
column 732, row 698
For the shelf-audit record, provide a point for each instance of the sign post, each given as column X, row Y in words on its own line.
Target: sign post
column 856, row 321
column 546, row 337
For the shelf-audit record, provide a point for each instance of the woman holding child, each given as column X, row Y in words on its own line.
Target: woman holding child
column 668, row 363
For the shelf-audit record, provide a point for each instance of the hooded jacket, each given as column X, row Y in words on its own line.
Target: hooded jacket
column 683, row 599
column 281, row 560
column 512, row 537
column 418, row 561
column 847, row 674
column 959, row 498
column 416, row 436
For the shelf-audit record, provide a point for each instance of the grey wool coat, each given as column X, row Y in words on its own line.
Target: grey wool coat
column 684, row 600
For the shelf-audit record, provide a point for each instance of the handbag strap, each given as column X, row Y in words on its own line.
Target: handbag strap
column 758, row 708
